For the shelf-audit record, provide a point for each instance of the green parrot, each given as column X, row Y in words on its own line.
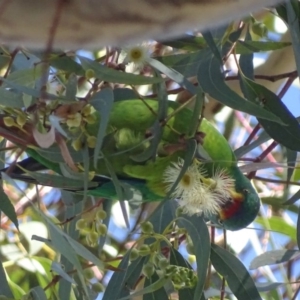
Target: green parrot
column 211, row 186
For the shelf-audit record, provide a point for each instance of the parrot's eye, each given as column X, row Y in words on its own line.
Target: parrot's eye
column 220, row 222
column 245, row 191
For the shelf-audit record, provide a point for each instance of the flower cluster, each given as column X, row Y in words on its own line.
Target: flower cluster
column 196, row 193
column 94, row 228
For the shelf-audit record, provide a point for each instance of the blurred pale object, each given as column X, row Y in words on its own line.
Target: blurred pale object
column 94, row 23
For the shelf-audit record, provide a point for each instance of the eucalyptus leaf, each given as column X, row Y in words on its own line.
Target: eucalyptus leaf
column 211, row 80
column 37, row 293
column 287, row 135
column 4, row 287
column 235, row 273
column 279, row 225
column 160, row 293
column 71, row 87
column 273, row 257
column 116, row 287
column 197, row 230
column 107, row 74
column 10, row 98
column 103, row 103
column 5, row 204
column 67, row 64
column 293, row 21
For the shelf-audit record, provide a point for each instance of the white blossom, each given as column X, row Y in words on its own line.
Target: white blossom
column 137, row 55
column 195, row 192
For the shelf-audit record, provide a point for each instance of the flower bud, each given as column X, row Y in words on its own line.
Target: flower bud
column 9, row 121
column 81, row 224
column 89, row 73
column 91, row 141
column 101, row 229
column 134, row 254
column 259, row 29
column 88, row 273
column 147, row 227
column 98, row 287
column 163, row 263
column 92, row 237
column 148, row 269
column 21, row 120
column 77, row 144
column 100, row 215
column 144, row 250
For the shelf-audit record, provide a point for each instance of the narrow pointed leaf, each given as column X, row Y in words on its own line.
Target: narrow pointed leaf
column 111, row 75
column 4, row 287
column 235, row 273
column 103, row 103
column 273, row 257
column 279, row 225
column 287, row 135
column 197, row 230
column 160, row 293
column 211, row 80
column 116, row 287
column 6, row 206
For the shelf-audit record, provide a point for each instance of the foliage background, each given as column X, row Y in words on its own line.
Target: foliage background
column 267, row 252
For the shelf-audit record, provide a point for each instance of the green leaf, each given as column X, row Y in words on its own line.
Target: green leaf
column 212, row 44
column 37, row 293
column 292, row 199
column 185, row 64
column 291, row 158
column 71, row 87
column 4, row 287
column 134, row 271
column 287, row 135
column 63, row 241
column 121, row 94
column 197, row 230
column 298, row 230
column 11, row 99
column 293, row 22
column 27, row 77
column 174, row 75
column 263, row 137
column 160, row 293
column 212, row 82
column 58, row 181
column 57, row 268
column 249, row 47
column 187, row 42
column 163, row 216
column 53, row 155
column 116, row 287
column 67, row 64
column 61, row 245
column 103, row 103
column 111, row 75
column 6, row 206
column 197, row 113
column 235, row 273
column 193, row 43
column 268, row 286
column 149, row 289
column 277, row 224
column 273, row 257
column 30, row 91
